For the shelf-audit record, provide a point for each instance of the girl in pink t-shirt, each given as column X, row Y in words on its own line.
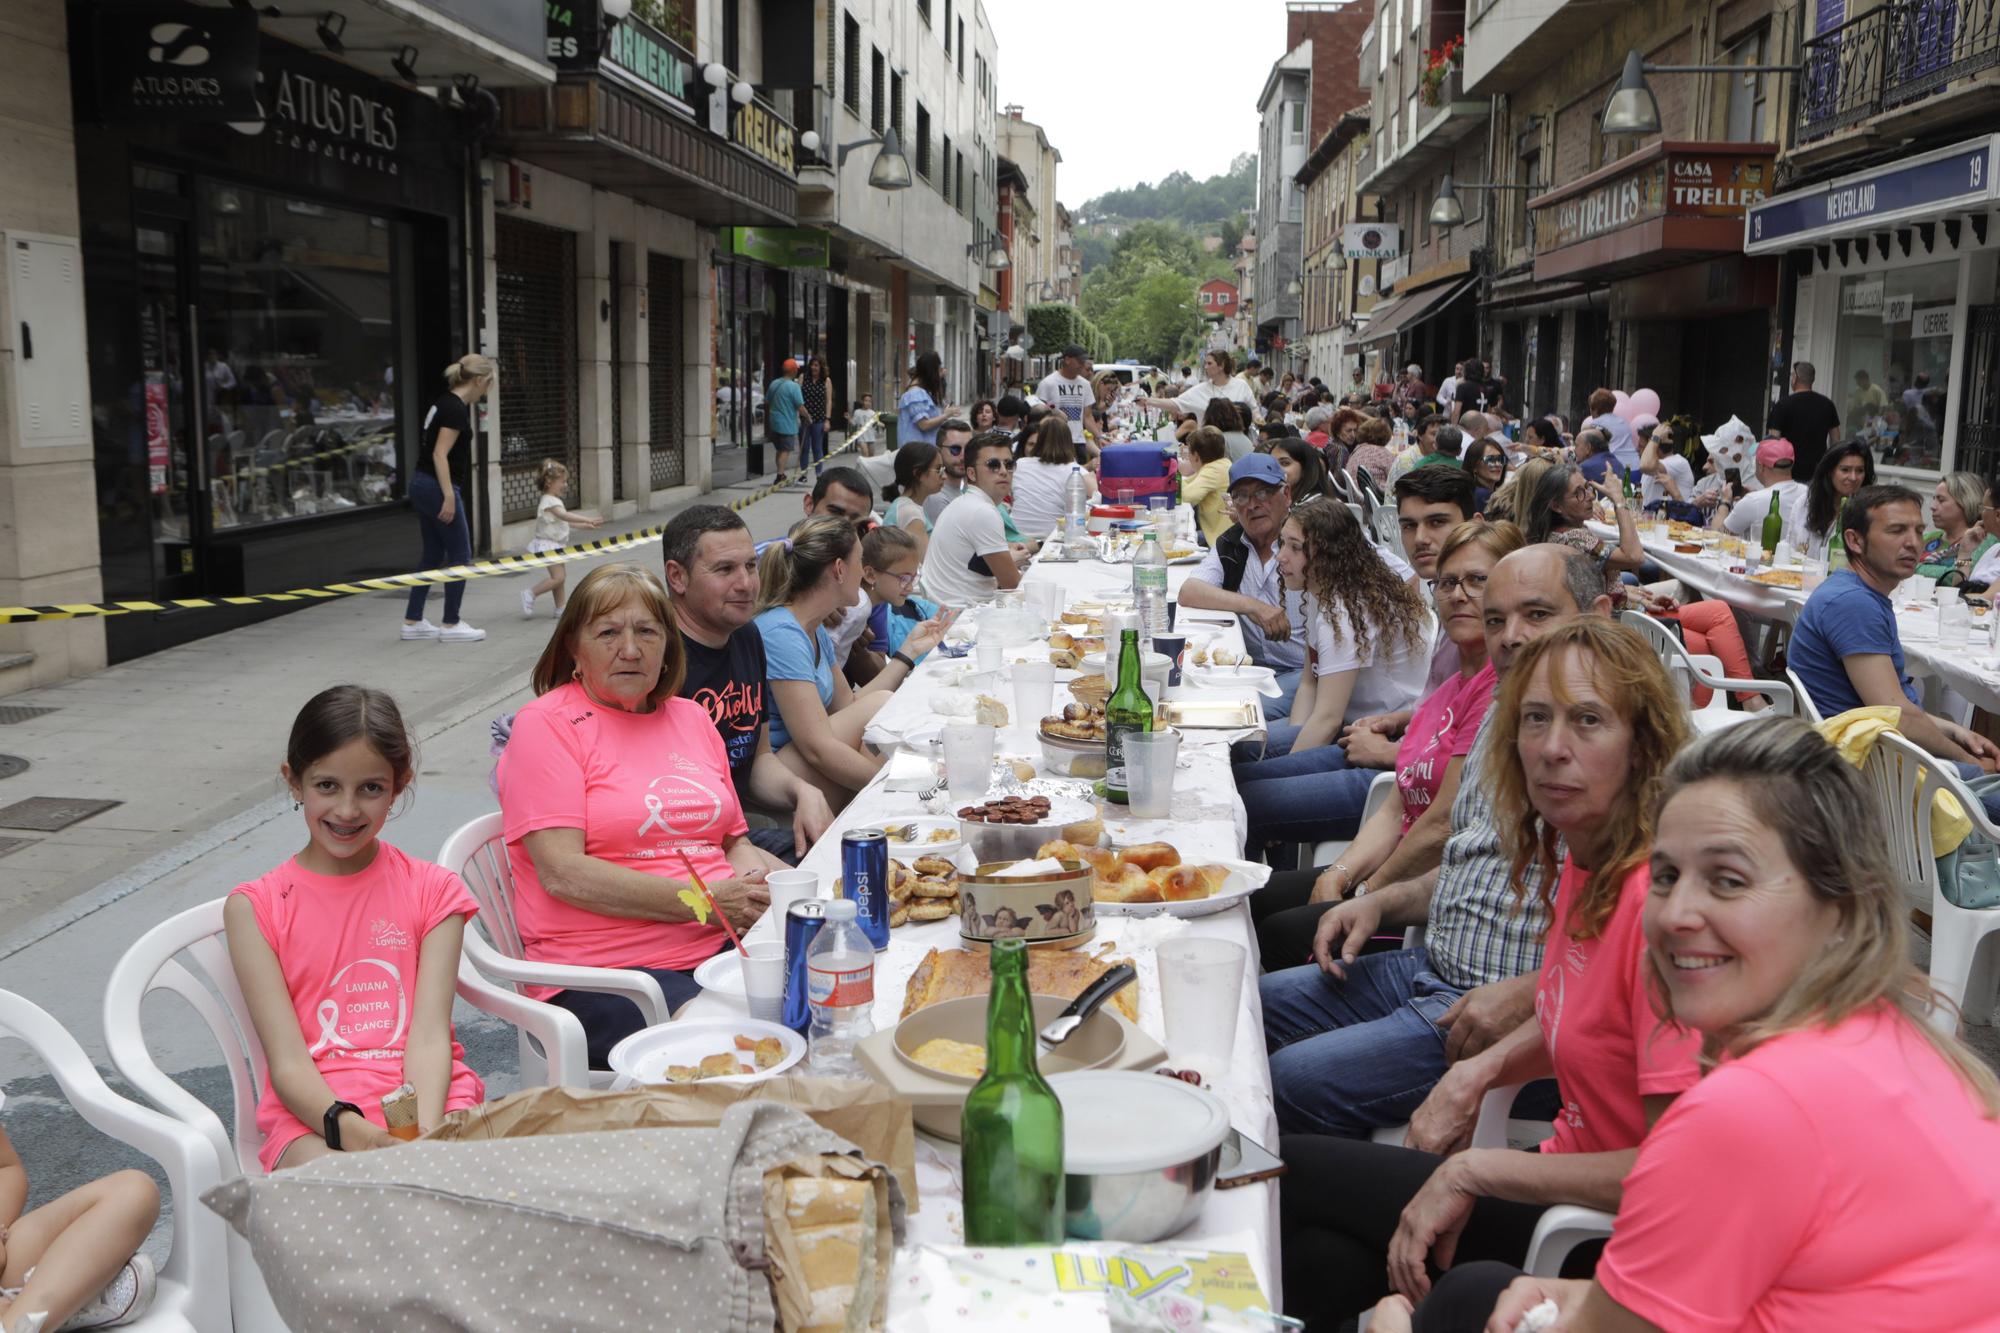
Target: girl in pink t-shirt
column 348, row 953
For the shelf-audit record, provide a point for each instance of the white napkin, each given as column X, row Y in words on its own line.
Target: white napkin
column 1048, row 865
column 909, row 771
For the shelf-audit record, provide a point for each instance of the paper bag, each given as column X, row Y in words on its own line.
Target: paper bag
column 822, row 1296
column 866, row 1114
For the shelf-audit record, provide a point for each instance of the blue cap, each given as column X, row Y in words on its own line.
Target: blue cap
column 1256, row 467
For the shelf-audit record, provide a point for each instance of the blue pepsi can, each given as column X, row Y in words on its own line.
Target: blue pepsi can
column 864, row 877
column 802, row 922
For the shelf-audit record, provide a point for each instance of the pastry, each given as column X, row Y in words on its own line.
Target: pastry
column 930, row 888
column 1065, row 658
column 898, row 916
column 933, row 909
column 720, row 1065
column 1179, row 884
column 932, row 866
column 1130, row 885
column 1151, row 856
column 989, row 712
column 951, row 1057
column 1061, row 640
column 947, row 974
column 1022, row 770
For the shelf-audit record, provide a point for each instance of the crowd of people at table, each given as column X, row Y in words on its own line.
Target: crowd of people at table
column 1688, row 956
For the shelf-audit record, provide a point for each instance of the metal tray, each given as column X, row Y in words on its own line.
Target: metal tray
column 1212, row 714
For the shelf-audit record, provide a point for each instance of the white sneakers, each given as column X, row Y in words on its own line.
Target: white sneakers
column 123, row 1300
column 459, row 633
column 527, row 604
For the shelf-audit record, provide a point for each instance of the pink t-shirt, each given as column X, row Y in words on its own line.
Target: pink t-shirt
column 644, row 788
column 1608, row 1045
column 348, row 946
column 1441, row 729
column 1840, row 1179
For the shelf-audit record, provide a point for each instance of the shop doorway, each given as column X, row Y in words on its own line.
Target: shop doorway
column 665, row 372
column 535, row 290
column 169, row 402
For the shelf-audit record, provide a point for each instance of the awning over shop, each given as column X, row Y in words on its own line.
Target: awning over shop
column 1406, row 312
column 1920, row 189
column 1669, row 204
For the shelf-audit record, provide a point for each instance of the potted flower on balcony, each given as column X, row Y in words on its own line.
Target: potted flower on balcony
column 1439, row 65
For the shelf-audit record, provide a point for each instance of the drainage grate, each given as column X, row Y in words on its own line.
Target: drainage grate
column 10, row 764
column 52, row 814
column 11, row 713
column 14, row 844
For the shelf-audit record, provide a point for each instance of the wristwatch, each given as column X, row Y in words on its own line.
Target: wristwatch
column 1359, row 890
column 330, row 1123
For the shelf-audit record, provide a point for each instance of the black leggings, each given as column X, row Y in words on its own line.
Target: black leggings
column 1339, row 1205
column 1286, row 922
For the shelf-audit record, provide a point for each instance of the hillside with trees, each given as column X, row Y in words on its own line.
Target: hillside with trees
column 1143, row 295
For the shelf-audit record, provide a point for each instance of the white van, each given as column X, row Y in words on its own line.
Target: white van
column 1129, row 372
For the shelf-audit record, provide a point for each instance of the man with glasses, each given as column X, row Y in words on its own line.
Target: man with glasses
column 969, row 558
column 1775, row 485
column 951, row 438
column 1240, row 576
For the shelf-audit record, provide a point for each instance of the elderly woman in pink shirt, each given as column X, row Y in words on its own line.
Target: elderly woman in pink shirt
column 1839, row 1167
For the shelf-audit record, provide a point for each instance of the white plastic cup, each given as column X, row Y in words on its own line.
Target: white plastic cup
column 968, row 760
column 788, row 887
column 1201, row 993
column 991, row 653
column 1049, row 600
column 764, row 979
column 1150, row 757
column 1034, row 691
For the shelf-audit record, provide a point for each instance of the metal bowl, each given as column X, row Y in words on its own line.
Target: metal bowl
column 1137, row 1187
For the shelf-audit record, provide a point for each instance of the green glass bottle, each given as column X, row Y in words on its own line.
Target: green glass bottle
column 1129, row 709
column 1011, row 1131
column 1774, row 530
column 1836, row 542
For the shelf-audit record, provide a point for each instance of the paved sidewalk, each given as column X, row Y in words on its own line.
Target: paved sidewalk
column 188, row 739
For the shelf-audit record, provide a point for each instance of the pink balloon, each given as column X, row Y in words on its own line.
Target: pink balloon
column 1646, row 402
column 1622, row 397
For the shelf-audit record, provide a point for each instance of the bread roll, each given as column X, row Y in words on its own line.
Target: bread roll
column 1151, row 856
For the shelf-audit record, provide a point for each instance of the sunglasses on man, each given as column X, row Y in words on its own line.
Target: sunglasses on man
column 998, row 465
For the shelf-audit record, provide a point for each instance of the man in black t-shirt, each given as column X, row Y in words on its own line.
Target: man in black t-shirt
column 1805, row 417
column 711, row 571
column 1476, row 392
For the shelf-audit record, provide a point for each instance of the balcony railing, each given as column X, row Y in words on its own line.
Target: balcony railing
column 1903, row 52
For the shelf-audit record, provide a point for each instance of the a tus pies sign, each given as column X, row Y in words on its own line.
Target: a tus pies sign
column 175, row 62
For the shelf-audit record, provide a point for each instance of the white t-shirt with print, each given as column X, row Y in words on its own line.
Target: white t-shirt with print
column 1195, row 401
column 1746, row 517
column 1390, row 678
column 1682, row 471
column 549, row 528
column 1069, row 397
column 954, row 570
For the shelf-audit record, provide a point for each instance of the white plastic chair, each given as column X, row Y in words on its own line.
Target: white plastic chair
column 192, row 1296
column 477, row 854
column 188, row 955
column 1807, row 708
column 1382, row 789
column 1692, row 669
column 1965, row 958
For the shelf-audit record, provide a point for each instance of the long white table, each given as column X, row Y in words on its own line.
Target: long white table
column 1969, row 668
column 1208, row 822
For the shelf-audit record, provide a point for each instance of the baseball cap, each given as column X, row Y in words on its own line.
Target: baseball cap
column 1076, row 350
column 1256, row 467
column 1771, row 453
column 790, row 365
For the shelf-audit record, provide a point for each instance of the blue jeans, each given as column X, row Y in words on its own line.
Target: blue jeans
column 1350, row 1057
column 609, row 1019
column 812, row 439
column 1305, row 796
column 444, row 543
column 777, row 841
column 1288, row 690
column 1990, row 796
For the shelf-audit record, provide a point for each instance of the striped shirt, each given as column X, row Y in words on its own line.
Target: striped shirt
column 1480, row 931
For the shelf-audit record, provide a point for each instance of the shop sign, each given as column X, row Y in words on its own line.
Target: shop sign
column 782, row 247
column 652, row 58
column 1684, row 181
column 572, row 34
column 305, row 111
column 1612, row 206
column 1896, row 310
column 1371, row 240
column 1932, row 321
column 760, row 130
column 169, row 62
column 1861, row 298
column 1715, row 185
column 1958, row 176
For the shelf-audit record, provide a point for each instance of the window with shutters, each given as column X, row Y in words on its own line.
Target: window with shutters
column 947, row 27
column 896, row 104
column 961, row 50
column 959, row 183
column 923, row 142
column 924, row 11
column 850, row 80
column 944, row 164
column 875, row 91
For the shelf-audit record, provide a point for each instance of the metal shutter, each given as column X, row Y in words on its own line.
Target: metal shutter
column 535, row 288
column 663, row 351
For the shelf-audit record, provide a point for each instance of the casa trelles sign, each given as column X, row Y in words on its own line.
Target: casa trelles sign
column 1679, row 198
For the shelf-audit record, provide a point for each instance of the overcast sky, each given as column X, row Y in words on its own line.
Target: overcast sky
column 1133, row 90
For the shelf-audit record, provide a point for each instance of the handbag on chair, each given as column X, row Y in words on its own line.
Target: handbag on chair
column 1969, row 874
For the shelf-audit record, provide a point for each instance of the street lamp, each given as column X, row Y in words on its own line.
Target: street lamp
column 1632, row 108
column 891, row 170
column 996, row 253
column 1447, row 211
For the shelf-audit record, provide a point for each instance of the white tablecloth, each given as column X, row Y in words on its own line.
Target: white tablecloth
column 1208, row 823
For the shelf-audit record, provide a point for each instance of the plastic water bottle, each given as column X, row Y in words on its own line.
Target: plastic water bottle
column 1076, row 497
column 840, row 984
column 1149, row 581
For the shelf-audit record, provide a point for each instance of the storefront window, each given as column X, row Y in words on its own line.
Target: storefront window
column 298, row 356
column 1892, row 362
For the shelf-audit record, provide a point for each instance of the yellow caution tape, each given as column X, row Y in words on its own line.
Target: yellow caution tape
column 477, row 569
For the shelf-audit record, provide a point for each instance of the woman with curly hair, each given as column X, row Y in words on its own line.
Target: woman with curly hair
column 1368, row 632
column 1583, row 730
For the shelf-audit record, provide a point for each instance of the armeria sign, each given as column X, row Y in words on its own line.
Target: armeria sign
column 175, row 62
